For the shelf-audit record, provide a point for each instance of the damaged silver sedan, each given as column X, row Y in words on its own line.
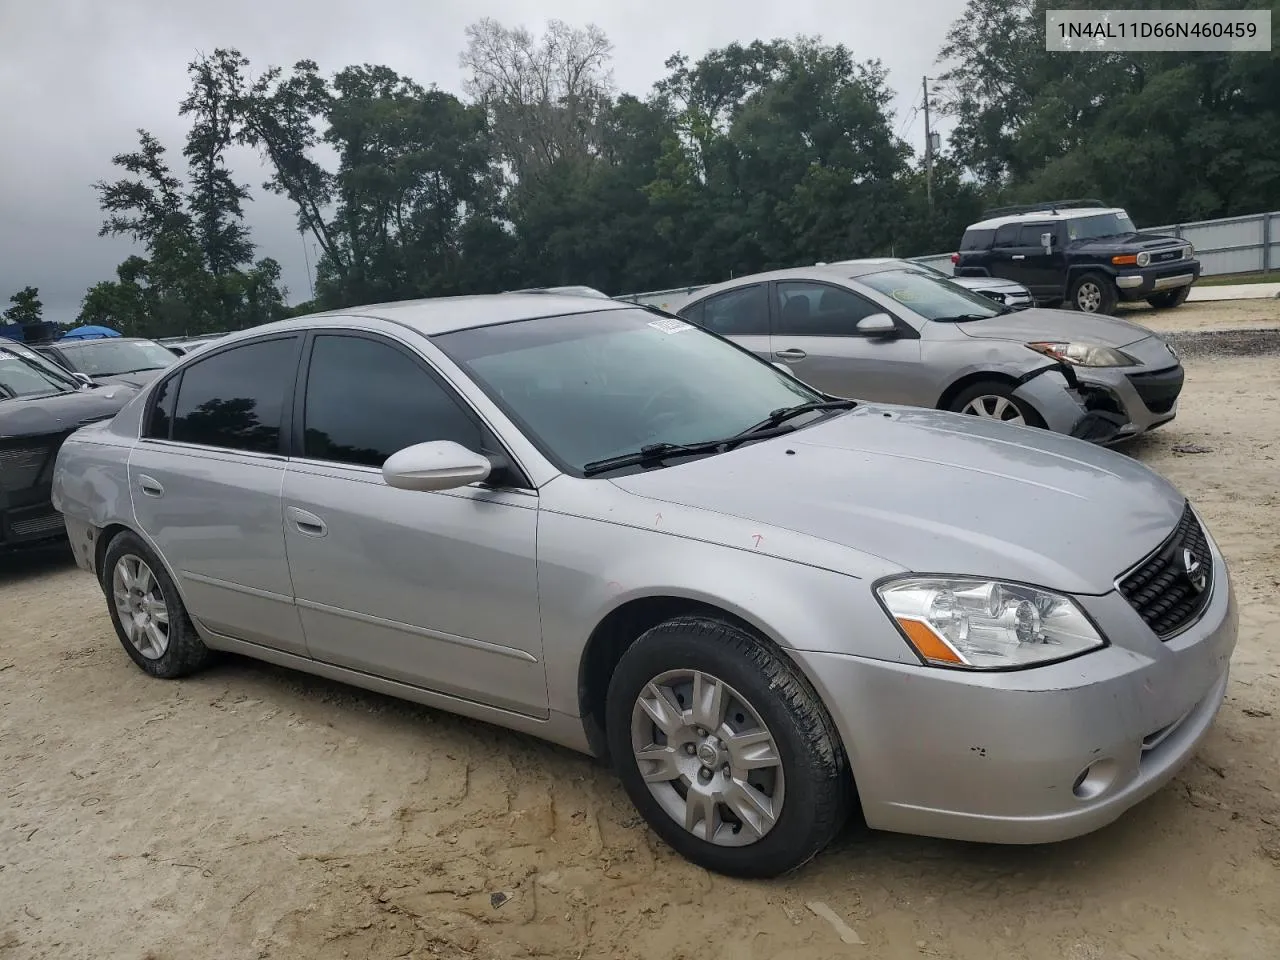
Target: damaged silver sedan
column 889, row 333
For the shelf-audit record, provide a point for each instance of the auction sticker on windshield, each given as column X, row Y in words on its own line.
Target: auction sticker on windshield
column 671, row 325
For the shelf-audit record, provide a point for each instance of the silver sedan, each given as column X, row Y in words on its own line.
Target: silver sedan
column 890, row 332
column 600, row 525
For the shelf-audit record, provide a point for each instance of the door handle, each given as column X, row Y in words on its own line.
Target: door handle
column 307, row 523
column 150, row 486
column 791, row 354
column 1018, row 256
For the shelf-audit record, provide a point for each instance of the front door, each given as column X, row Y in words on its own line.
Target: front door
column 816, row 336
column 438, row 590
column 1040, row 271
column 205, row 480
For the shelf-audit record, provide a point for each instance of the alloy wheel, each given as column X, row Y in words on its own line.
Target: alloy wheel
column 140, row 604
column 707, row 757
column 1089, row 297
column 994, row 407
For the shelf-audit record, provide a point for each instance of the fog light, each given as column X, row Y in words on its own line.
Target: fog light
column 1095, row 779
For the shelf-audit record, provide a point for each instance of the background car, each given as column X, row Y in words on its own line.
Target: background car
column 572, row 291
column 1011, row 294
column 1079, row 251
column 181, row 346
column 904, row 335
column 41, row 404
column 131, row 361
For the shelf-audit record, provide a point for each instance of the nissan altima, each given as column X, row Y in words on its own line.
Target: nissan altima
column 599, row 524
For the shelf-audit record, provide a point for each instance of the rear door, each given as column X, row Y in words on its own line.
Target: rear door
column 816, row 336
column 741, row 314
column 205, row 479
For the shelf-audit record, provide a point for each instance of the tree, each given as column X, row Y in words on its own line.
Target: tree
column 27, row 308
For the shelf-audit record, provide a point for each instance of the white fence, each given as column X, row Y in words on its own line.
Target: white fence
column 1248, row 244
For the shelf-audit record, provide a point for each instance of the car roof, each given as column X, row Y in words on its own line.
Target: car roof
column 828, row 272
column 1074, row 213
column 85, row 341
column 438, row 315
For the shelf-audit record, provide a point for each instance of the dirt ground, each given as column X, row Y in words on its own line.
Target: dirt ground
column 253, row 812
column 1208, row 315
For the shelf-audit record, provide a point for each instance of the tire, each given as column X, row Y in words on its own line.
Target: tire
column 995, row 397
column 805, row 771
column 168, row 649
column 1170, row 298
column 1093, row 293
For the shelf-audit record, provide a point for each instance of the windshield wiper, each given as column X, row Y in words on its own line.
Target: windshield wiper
column 658, row 452
column 783, row 414
column 964, row 317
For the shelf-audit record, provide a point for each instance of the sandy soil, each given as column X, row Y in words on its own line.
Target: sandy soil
column 1208, row 315
column 255, row 812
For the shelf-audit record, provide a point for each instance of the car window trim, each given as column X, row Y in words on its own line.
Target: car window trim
column 286, row 407
column 905, row 330
column 520, row 476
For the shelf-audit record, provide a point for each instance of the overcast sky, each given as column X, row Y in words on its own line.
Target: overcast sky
column 78, row 77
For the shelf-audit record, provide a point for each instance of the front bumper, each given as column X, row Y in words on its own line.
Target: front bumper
column 1030, row 756
column 1138, row 284
column 1146, row 399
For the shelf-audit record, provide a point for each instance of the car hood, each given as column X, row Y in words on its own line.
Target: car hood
column 136, row 379
column 936, row 492
column 1127, row 242
column 1060, row 325
column 60, row 413
column 988, row 283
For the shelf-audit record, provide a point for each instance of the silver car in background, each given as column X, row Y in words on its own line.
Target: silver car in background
column 903, row 334
column 603, row 526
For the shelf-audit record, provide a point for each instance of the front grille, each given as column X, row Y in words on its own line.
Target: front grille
column 1171, row 588
column 37, row 524
column 20, row 467
column 1159, row 390
column 1168, row 256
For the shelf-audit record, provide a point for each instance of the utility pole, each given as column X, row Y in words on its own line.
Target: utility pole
column 928, row 148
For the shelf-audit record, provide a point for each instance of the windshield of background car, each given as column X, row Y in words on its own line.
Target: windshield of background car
column 1103, row 225
column 589, row 386
column 934, row 298
column 24, row 373
column 108, row 358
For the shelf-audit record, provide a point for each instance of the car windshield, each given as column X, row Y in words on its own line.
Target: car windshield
column 1103, row 225
column 109, row 358
column 586, row 387
column 932, row 297
column 24, row 373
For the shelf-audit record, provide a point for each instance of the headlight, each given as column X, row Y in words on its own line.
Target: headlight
column 1144, row 258
column 1084, row 354
column 1191, row 251
column 974, row 624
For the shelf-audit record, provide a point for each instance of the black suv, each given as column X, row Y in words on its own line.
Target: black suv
column 1079, row 251
column 40, row 406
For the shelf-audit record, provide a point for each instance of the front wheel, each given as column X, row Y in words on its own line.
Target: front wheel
column 995, row 401
column 725, row 749
column 1093, row 293
column 1170, row 298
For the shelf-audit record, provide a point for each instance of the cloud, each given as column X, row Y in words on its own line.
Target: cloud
column 80, row 76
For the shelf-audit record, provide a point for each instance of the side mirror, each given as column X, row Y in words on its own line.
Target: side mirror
column 84, row 378
column 877, row 325
column 438, row 465
column 1046, row 241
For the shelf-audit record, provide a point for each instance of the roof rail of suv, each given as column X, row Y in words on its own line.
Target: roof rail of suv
column 1052, row 206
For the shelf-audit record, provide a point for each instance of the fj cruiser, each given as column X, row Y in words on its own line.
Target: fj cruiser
column 1079, row 251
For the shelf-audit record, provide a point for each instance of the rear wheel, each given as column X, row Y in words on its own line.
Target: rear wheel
column 725, row 749
column 995, row 401
column 1170, row 298
column 147, row 612
column 1093, row 293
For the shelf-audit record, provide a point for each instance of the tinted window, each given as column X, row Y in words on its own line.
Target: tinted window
column 366, row 400
column 695, row 313
column 236, row 399
column 808, row 309
column 1029, row 234
column 743, row 312
column 1007, row 236
column 977, row 239
column 161, row 420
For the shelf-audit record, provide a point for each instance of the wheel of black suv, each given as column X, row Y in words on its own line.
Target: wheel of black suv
column 725, row 749
column 147, row 612
column 1170, row 298
column 1093, row 293
column 995, row 401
